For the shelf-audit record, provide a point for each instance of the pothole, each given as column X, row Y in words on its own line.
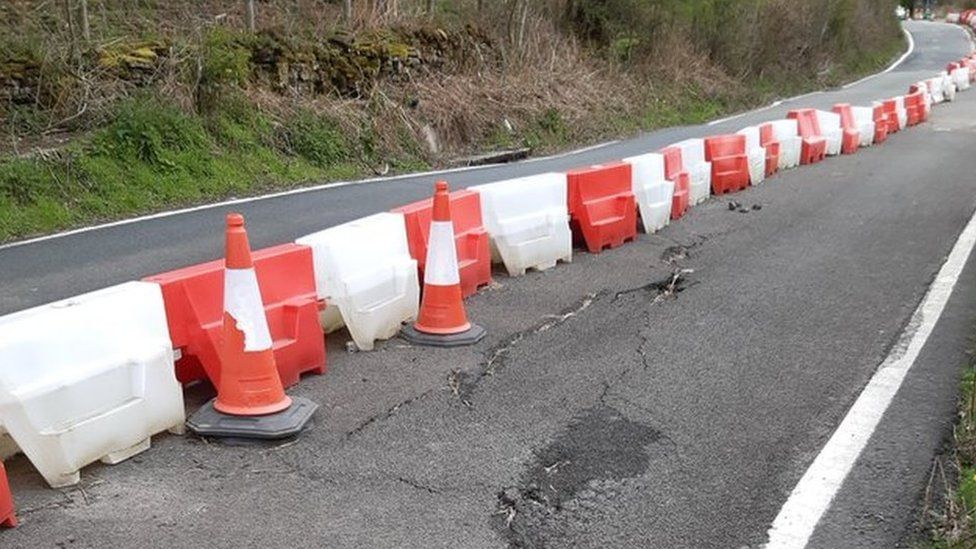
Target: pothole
column 599, row 449
column 665, row 288
column 672, row 254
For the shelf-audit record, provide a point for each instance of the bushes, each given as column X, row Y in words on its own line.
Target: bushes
column 224, row 63
column 743, row 37
column 152, row 132
column 152, row 155
column 315, row 138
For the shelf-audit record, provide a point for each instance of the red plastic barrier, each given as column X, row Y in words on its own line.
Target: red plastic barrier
column 852, row 133
column 8, row 517
column 880, row 124
column 473, row 252
column 814, row 147
column 891, row 114
column 674, row 170
column 194, row 298
column 915, row 107
column 730, row 165
column 602, row 208
column 767, row 138
column 923, row 108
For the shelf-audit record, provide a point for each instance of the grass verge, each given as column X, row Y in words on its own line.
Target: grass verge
column 949, row 507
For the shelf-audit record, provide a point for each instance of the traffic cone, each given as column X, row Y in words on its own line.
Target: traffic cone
column 442, row 321
column 8, row 519
column 251, row 402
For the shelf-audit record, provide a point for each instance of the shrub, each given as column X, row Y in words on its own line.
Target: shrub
column 315, row 138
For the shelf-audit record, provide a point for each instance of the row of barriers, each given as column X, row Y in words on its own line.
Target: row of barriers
column 94, row 377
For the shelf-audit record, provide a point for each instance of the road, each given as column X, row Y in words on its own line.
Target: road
column 597, row 413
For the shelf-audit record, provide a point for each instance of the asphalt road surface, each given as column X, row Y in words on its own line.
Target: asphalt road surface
column 598, row 412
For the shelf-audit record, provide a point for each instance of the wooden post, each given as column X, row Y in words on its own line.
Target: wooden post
column 250, row 16
column 430, row 7
column 85, row 29
column 346, row 11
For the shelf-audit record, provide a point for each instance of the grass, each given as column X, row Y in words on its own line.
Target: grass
column 153, row 156
column 950, row 502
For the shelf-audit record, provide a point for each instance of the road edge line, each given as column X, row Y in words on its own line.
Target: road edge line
column 813, row 494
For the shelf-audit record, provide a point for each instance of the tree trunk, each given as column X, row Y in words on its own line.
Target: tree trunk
column 346, row 11
column 430, row 7
column 85, row 29
column 250, row 16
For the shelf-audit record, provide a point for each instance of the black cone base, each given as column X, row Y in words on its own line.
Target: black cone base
column 207, row 421
column 471, row 336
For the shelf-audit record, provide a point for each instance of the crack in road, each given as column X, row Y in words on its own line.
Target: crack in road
column 390, row 412
column 417, row 485
column 463, row 384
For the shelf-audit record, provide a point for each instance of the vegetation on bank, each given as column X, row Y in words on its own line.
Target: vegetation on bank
column 949, row 505
column 168, row 104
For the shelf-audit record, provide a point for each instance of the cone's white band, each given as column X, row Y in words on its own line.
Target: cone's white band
column 442, row 264
column 242, row 301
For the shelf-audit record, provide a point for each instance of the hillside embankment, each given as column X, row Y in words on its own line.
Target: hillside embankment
column 130, row 107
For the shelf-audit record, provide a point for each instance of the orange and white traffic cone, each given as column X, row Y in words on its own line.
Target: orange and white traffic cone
column 442, row 321
column 251, row 401
column 8, row 518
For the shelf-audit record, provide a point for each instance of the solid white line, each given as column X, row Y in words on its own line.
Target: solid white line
column 241, row 201
column 899, row 61
column 571, row 153
column 812, row 496
column 290, row 192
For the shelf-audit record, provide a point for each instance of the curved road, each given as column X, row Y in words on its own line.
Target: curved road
column 594, row 414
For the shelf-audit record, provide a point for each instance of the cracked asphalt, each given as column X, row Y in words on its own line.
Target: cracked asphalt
column 610, row 405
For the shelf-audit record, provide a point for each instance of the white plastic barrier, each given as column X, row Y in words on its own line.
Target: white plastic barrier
column 528, row 221
column 787, row 134
column 864, row 119
column 948, row 87
column 756, row 154
column 935, row 86
column 926, row 94
column 960, row 77
column 699, row 170
column 830, row 128
column 364, row 271
column 653, row 191
column 88, row 378
column 901, row 111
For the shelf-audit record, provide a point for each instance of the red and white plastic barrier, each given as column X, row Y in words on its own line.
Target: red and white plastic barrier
column 94, row 377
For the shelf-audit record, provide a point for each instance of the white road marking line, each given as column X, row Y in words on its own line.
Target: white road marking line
column 813, row 495
column 290, row 192
column 899, row 61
